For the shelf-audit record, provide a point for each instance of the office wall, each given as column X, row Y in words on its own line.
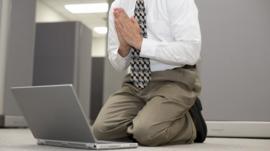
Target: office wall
column 1, row 1
column 46, row 14
column 4, row 24
column 20, row 50
column 235, row 59
column 1, row 67
column 99, row 47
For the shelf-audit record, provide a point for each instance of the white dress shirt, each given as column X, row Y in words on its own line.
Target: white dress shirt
column 174, row 37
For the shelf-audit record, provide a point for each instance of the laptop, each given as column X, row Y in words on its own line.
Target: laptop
column 55, row 117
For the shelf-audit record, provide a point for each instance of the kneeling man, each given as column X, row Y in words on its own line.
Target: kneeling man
column 159, row 42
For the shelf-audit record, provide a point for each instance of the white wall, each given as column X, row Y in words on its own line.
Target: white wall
column 99, row 47
column 4, row 20
column 45, row 14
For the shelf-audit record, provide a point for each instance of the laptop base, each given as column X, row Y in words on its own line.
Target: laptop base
column 91, row 146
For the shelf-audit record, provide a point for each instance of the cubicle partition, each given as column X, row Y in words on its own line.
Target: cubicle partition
column 17, row 49
column 2, row 58
column 97, row 83
column 2, row 61
column 63, row 56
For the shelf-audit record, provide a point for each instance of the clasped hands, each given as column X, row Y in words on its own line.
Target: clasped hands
column 128, row 32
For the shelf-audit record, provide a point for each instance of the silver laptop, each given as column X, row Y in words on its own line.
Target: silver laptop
column 55, row 117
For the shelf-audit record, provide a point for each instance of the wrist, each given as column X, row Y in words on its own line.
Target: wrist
column 139, row 43
column 123, row 51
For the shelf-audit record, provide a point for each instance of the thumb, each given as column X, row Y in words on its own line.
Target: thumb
column 134, row 21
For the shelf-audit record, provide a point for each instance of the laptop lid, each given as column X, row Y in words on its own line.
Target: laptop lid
column 53, row 113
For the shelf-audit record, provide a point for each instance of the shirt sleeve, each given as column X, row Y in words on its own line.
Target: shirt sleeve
column 118, row 62
column 186, row 45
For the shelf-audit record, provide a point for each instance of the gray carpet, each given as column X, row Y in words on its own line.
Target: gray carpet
column 22, row 140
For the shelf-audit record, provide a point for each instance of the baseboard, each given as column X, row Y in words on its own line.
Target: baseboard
column 2, row 121
column 9, row 121
column 246, row 129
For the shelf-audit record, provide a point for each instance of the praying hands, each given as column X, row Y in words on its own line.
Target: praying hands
column 128, row 32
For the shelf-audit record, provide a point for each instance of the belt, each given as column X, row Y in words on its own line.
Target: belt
column 189, row 66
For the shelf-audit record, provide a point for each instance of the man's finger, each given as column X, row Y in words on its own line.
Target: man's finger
column 118, row 21
column 118, row 27
column 116, row 14
column 134, row 21
column 123, row 22
column 123, row 15
column 123, row 18
column 123, row 12
column 120, row 11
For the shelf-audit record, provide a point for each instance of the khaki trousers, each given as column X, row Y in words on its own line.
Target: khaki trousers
column 155, row 115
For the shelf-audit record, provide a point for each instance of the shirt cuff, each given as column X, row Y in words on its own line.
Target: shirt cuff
column 148, row 48
column 122, row 60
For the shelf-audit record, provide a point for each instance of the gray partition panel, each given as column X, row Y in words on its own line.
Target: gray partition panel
column 1, row 1
column 97, row 86
column 20, row 48
column 235, row 59
column 63, row 56
column 54, row 53
column 1, row 63
column 83, row 65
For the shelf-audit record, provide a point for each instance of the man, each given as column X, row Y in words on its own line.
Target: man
column 160, row 42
